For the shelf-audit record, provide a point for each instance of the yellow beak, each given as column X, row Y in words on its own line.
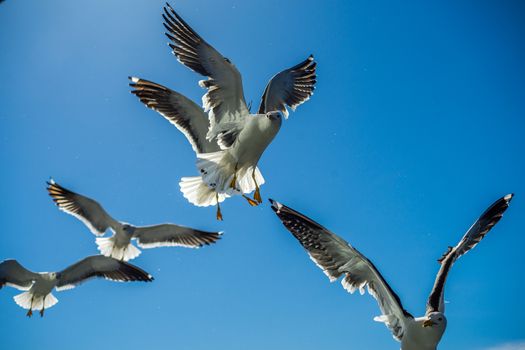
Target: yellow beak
column 428, row 323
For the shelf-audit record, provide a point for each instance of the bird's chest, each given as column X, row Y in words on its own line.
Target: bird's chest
column 122, row 238
column 420, row 338
column 43, row 286
column 254, row 139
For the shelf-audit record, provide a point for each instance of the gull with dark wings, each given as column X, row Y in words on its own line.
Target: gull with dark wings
column 37, row 286
column 230, row 140
column 119, row 245
column 338, row 258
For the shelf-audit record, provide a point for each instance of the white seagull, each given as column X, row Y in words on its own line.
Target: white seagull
column 38, row 285
column 119, row 245
column 231, row 141
column 338, row 258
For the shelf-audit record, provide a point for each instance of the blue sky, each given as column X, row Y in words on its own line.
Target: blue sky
column 416, row 126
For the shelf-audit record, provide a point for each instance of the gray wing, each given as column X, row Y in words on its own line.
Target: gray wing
column 179, row 110
column 474, row 235
column 15, row 275
column 225, row 97
column 100, row 266
column 83, row 208
column 290, row 87
column 337, row 258
column 166, row 235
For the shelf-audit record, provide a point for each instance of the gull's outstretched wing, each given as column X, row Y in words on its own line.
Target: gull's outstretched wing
column 179, row 110
column 337, row 258
column 166, row 235
column 225, row 98
column 83, row 208
column 291, row 87
column 100, row 266
column 15, row 275
column 474, row 235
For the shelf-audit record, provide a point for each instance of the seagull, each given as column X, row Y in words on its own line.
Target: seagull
column 119, row 245
column 230, row 140
column 38, row 285
column 337, row 258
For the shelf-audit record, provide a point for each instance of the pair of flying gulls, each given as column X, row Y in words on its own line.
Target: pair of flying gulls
column 115, row 249
column 337, row 258
column 228, row 139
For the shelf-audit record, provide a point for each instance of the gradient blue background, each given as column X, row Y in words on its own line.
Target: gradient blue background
column 416, row 126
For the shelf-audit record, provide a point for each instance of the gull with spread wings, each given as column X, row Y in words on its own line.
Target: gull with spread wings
column 119, row 245
column 230, row 140
column 338, row 258
column 37, row 286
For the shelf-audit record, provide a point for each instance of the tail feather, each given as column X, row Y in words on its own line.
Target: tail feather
column 198, row 193
column 38, row 302
column 106, row 246
column 218, row 171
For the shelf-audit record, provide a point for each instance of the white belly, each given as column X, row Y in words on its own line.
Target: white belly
column 418, row 337
column 254, row 139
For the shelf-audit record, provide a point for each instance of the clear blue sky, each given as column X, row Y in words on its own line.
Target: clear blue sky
column 416, row 126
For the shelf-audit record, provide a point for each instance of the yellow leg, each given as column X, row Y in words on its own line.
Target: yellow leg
column 219, row 214
column 257, row 193
column 43, row 308
column 233, row 183
column 30, row 311
column 250, row 201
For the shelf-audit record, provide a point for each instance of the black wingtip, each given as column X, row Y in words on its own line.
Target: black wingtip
column 508, row 197
column 311, row 57
column 276, row 206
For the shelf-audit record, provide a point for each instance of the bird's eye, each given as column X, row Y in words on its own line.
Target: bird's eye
column 440, row 319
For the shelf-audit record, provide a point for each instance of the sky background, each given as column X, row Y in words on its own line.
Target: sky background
column 416, row 126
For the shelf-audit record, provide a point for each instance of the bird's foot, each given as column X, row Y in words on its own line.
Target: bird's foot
column 257, row 195
column 42, row 312
column 29, row 313
column 250, row 201
column 219, row 214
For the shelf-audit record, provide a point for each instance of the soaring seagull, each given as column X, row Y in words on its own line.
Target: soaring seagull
column 230, row 140
column 119, row 245
column 38, row 285
column 337, row 258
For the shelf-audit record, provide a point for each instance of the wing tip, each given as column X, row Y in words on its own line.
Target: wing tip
column 168, row 6
column 276, row 206
column 508, row 197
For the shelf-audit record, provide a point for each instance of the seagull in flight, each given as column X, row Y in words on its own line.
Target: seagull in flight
column 119, row 245
column 230, row 140
column 338, row 258
column 38, row 285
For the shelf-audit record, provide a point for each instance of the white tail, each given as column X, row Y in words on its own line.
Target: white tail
column 218, row 170
column 38, row 302
column 198, row 193
column 106, row 246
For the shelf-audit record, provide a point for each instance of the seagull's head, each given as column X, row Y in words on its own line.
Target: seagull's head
column 51, row 276
column 127, row 228
column 435, row 320
column 274, row 116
